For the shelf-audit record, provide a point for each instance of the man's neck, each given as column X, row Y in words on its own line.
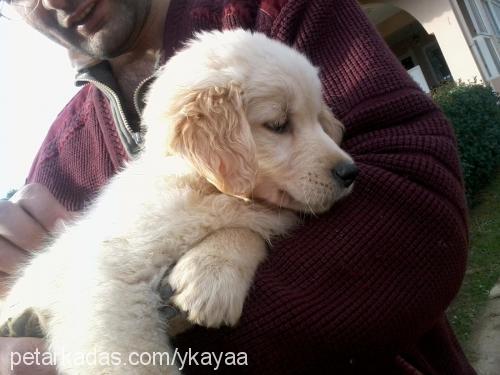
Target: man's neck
column 139, row 62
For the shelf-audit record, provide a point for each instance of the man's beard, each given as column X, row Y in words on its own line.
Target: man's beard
column 120, row 32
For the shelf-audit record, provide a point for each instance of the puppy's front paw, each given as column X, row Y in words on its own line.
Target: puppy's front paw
column 209, row 288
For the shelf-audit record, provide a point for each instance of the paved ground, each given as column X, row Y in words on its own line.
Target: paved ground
column 485, row 341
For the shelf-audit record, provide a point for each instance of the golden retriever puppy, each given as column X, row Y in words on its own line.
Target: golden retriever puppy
column 238, row 139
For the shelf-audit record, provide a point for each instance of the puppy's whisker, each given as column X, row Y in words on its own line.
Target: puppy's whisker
column 282, row 199
column 280, row 205
column 315, row 196
column 306, row 198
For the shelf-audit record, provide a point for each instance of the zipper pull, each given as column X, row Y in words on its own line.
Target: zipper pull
column 138, row 139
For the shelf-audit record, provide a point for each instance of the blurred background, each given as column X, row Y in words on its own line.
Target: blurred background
column 36, row 82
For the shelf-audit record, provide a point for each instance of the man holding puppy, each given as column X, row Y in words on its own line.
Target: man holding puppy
column 362, row 289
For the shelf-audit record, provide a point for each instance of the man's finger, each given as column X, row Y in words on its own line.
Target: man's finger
column 19, row 228
column 11, row 257
column 4, row 284
column 38, row 202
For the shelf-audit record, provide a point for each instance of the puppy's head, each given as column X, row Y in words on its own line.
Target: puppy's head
column 247, row 112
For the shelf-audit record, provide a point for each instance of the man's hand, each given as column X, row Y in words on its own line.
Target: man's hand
column 25, row 221
column 19, row 356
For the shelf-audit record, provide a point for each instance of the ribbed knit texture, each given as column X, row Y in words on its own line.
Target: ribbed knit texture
column 81, row 151
column 362, row 289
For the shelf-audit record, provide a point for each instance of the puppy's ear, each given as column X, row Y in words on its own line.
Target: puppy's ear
column 333, row 127
column 214, row 135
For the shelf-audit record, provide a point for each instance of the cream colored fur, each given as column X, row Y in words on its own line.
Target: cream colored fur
column 213, row 185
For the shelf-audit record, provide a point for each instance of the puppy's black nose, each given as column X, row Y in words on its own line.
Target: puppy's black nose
column 345, row 173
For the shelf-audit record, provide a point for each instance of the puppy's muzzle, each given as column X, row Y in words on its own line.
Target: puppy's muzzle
column 345, row 173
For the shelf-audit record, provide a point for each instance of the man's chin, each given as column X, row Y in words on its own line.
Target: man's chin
column 100, row 51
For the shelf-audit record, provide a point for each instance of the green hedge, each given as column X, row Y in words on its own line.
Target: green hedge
column 474, row 111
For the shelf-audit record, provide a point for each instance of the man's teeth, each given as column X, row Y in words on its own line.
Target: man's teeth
column 85, row 13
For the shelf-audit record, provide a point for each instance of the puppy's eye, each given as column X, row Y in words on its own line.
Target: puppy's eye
column 277, row 127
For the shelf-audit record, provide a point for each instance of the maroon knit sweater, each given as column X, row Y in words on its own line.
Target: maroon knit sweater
column 362, row 289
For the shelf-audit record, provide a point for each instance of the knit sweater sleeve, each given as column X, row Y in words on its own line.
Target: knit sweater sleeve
column 63, row 164
column 378, row 271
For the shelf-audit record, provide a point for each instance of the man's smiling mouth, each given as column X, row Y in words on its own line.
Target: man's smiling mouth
column 79, row 15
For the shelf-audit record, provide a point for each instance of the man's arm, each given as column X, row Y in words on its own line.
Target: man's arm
column 81, row 151
column 388, row 260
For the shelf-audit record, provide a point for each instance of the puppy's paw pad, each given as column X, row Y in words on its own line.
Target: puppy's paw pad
column 209, row 289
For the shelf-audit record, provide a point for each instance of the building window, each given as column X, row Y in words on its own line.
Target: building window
column 477, row 18
column 492, row 8
column 485, row 18
column 468, row 20
column 483, row 59
column 493, row 53
column 437, row 62
column 488, row 54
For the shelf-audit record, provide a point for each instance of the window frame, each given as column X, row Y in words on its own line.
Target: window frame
column 493, row 15
column 477, row 16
